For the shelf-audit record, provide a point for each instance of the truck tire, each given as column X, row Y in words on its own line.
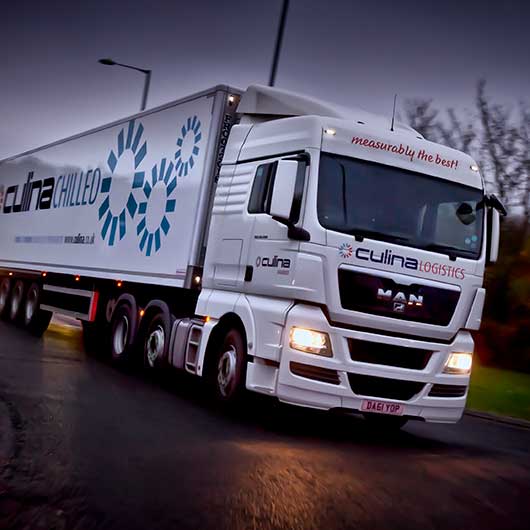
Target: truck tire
column 122, row 333
column 17, row 301
column 382, row 423
column 35, row 319
column 156, row 339
column 5, row 295
column 229, row 366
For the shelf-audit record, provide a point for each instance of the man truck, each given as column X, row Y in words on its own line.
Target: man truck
column 264, row 240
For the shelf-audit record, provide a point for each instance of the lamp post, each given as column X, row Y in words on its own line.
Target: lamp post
column 279, row 39
column 110, row 62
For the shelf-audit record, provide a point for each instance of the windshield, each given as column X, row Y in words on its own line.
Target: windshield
column 392, row 204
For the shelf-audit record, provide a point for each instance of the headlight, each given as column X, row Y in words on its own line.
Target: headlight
column 459, row 363
column 310, row 341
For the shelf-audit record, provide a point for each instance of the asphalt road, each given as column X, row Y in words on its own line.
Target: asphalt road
column 93, row 447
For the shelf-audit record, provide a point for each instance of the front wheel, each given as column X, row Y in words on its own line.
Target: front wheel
column 228, row 375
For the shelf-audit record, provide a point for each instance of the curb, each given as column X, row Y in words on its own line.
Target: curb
column 505, row 420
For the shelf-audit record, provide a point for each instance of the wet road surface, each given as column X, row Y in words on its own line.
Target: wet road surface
column 94, row 447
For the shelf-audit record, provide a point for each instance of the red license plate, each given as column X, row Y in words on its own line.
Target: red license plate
column 382, row 407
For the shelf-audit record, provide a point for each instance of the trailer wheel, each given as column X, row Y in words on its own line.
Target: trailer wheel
column 5, row 294
column 36, row 320
column 228, row 374
column 17, row 299
column 122, row 333
column 382, row 423
column 156, row 339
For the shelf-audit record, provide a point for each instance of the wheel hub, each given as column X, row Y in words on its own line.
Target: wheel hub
column 31, row 303
column 226, row 370
column 15, row 302
column 121, row 334
column 3, row 296
column 155, row 345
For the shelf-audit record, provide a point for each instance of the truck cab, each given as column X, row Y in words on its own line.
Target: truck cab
column 351, row 252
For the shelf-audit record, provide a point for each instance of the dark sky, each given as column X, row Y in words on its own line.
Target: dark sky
column 347, row 51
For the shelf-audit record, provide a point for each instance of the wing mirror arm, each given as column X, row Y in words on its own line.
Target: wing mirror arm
column 494, row 202
column 294, row 232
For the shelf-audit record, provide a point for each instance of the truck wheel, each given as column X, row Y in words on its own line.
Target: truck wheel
column 17, row 299
column 156, row 341
column 36, row 320
column 382, row 423
column 230, row 367
column 122, row 333
column 5, row 294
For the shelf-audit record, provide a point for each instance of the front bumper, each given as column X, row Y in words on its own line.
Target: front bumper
column 295, row 389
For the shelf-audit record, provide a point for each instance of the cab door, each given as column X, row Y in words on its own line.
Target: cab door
column 272, row 249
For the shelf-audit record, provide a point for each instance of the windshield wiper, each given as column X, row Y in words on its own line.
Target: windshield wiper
column 452, row 252
column 360, row 234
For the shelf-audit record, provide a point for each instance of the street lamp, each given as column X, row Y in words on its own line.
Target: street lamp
column 110, row 62
column 279, row 39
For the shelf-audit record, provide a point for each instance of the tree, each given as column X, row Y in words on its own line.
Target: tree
column 500, row 146
column 422, row 117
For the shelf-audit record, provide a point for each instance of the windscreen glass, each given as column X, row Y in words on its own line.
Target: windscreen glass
column 392, row 204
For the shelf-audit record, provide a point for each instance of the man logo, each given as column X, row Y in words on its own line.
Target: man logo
column 400, row 300
column 399, row 307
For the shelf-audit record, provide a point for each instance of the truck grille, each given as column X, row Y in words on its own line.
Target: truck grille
column 447, row 391
column 382, row 387
column 324, row 375
column 388, row 355
column 359, row 292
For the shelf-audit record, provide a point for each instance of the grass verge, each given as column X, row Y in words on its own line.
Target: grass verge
column 500, row 392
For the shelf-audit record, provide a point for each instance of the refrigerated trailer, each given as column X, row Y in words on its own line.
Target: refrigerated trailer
column 264, row 240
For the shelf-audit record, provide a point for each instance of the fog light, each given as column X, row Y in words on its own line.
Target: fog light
column 310, row 341
column 458, row 363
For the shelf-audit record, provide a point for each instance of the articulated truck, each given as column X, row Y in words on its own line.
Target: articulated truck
column 263, row 240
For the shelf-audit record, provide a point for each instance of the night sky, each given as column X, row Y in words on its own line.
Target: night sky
column 350, row 52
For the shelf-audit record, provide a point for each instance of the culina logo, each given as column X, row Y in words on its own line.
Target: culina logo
column 142, row 204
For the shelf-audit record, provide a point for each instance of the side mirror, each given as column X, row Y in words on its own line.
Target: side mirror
column 495, row 229
column 283, row 192
column 496, row 209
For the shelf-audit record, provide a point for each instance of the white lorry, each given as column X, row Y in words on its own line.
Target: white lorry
column 261, row 239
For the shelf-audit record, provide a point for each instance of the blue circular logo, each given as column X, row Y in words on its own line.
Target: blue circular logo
column 114, row 222
column 188, row 146
column 150, row 237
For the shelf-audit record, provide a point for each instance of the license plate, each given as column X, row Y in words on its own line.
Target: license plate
column 381, row 407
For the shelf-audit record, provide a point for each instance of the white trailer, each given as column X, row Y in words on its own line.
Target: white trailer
column 264, row 240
